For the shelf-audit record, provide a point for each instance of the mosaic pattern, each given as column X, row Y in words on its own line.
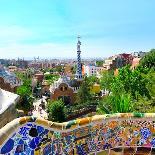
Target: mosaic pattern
column 83, row 136
column 9, row 77
column 79, row 69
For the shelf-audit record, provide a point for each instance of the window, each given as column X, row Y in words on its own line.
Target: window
column 63, row 88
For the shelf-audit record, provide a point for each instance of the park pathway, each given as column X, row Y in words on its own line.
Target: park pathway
column 38, row 111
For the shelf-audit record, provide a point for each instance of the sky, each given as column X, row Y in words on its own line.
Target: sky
column 49, row 28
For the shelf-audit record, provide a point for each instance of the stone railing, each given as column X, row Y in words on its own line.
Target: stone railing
column 100, row 134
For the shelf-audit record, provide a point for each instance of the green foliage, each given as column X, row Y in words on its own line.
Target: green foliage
column 26, row 98
column 51, row 78
column 23, row 77
column 20, row 75
column 26, row 103
column 150, row 76
column 113, row 103
column 144, row 104
column 84, row 95
column 107, row 79
column 148, row 61
column 92, row 80
column 25, row 92
column 133, row 82
column 130, row 90
column 103, row 107
column 53, row 69
column 25, row 89
column 56, row 111
column 121, row 103
column 73, row 69
column 59, row 69
column 99, row 63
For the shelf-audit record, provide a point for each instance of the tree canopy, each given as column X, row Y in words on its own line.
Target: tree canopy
column 56, row 111
column 51, row 78
column 132, row 82
column 25, row 92
column 127, row 89
column 99, row 63
column 84, row 95
column 107, row 79
column 148, row 61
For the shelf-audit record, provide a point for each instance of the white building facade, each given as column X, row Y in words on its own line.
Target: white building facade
column 91, row 70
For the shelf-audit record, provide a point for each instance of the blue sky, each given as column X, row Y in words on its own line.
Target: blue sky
column 48, row 28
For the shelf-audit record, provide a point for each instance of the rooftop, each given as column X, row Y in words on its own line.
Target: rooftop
column 7, row 99
column 9, row 77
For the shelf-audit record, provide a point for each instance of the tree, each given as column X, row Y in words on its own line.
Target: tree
column 92, row 80
column 132, row 82
column 148, row 61
column 118, row 100
column 25, row 92
column 106, row 80
column 51, row 78
column 130, row 90
column 56, row 111
column 59, row 69
column 99, row 63
column 150, row 76
column 26, row 98
column 144, row 104
column 73, row 69
column 84, row 96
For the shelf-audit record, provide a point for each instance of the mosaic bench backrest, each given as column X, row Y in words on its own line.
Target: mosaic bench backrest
column 28, row 135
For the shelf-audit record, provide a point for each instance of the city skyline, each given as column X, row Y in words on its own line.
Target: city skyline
column 50, row 28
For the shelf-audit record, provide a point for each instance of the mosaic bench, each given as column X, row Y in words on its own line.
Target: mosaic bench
column 115, row 134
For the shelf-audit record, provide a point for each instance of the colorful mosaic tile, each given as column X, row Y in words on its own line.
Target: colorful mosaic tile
column 80, row 137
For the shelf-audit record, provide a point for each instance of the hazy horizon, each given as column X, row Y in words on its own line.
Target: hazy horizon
column 52, row 58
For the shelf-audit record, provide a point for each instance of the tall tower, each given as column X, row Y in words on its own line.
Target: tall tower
column 79, row 65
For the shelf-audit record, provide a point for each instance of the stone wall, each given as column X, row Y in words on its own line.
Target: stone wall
column 115, row 134
column 8, row 115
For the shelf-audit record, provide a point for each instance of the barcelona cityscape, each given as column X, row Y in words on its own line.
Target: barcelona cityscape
column 77, row 77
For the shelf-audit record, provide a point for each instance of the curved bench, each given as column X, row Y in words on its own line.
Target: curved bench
column 120, row 133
